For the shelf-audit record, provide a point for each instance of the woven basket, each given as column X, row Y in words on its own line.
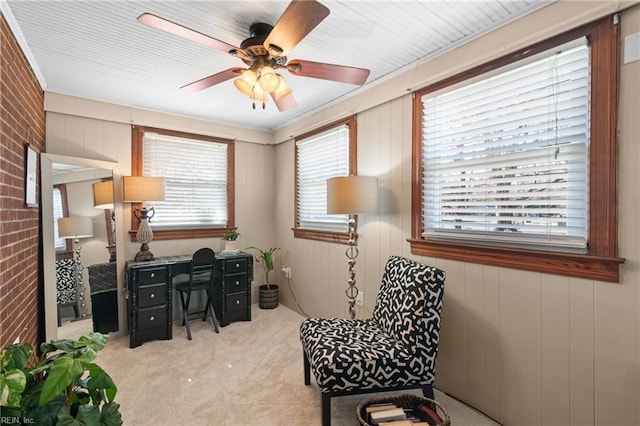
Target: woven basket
column 402, row 401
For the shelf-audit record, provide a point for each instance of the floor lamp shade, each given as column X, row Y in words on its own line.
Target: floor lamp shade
column 137, row 189
column 103, row 195
column 75, row 227
column 352, row 195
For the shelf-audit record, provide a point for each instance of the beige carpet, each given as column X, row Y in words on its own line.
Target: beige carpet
column 249, row 374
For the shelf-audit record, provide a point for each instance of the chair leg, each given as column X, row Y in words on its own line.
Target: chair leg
column 307, row 368
column 216, row 325
column 326, row 409
column 185, row 313
column 76, row 311
column 427, row 391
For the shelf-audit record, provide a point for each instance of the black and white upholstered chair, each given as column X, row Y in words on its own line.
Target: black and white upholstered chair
column 66, row 286
column 395, row 349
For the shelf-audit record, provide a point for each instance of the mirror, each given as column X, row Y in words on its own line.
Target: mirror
column 80, row 271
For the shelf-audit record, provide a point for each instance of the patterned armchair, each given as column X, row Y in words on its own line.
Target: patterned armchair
column 66, row 286
column 395, row 349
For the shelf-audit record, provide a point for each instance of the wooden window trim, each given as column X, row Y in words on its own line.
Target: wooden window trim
column 137, row 133
column 326, row 236
column 68, row 251
column 601, row 261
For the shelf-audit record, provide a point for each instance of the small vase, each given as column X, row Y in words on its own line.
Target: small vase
column 231, row 246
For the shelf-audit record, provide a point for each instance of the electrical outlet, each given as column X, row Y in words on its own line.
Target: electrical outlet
column 360, row 298
column 286, row 271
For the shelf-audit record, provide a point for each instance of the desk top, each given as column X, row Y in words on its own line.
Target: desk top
column 182, row 258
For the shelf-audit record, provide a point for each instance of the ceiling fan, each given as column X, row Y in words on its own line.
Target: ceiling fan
column 264, row 52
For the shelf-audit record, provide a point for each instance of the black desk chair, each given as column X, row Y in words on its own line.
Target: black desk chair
column 200, row 278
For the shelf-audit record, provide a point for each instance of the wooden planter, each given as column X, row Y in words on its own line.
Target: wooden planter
column 268, row 296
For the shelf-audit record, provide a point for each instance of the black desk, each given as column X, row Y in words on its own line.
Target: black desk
column 150, row 293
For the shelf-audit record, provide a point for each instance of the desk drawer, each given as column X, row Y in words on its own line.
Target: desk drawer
column 151, row 295
column 152, row 317
column 236, row 301
column 236, row 283
column 235, row 266
column 152, row 275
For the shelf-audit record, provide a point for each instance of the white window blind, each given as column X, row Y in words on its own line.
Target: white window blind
column 319, row 158
column 60, row 244
column 195, row 175
column 506, row 158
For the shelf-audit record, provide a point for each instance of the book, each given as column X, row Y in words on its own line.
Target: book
column 397, row 423
column 391, row 414
column 379, row 407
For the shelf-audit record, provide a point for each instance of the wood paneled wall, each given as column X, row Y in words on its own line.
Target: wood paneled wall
column 526, row 348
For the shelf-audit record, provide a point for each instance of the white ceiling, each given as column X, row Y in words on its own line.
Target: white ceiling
column 97, row 49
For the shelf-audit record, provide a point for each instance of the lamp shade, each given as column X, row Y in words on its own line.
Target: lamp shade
column 352, row 195
column 137, row 189
column 103, row 195
column 75, row 227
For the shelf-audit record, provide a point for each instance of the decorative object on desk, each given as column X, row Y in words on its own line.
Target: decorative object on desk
column 268, row 294
column 352, row 195
column 76, row 228
column 230, row 243
column 62, row 385
column 141, row 189
column 103, row 199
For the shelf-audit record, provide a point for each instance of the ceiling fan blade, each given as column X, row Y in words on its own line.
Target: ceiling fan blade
column 182, row 31
column 300, row 17
column 341, row 73
column 284, row 103
column 212, row 80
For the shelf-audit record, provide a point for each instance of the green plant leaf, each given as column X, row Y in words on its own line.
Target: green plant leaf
column 46, row 415
column 110, row 415
column 99, row 379
column 95, row 341
column 15, row 356
column 88, row 415
column 65, row 345
column 63, row 372
column 12, row 384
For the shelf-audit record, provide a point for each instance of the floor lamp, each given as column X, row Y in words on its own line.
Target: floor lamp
column 76, row 228
column 352, row 195
column 141, row 189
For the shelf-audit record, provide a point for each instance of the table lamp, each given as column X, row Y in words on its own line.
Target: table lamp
column 141, row 189
column 352, row 195
column 76, row 228
column 103, row 199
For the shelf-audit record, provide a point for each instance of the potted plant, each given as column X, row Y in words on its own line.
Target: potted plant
column 230, row 243
column 63, row 386
column 268, row 294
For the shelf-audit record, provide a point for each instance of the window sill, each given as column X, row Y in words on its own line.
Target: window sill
column 180, row 234
column 330, row 237
column 572, row 265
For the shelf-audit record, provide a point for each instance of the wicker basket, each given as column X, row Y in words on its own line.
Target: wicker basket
column 402, row 401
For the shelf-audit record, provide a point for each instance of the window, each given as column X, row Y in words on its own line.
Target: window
column 324, row 153
column 508, row 155
column 198, row 172
column 60, row 209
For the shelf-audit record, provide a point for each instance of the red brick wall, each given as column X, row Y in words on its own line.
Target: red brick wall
column 22, row 121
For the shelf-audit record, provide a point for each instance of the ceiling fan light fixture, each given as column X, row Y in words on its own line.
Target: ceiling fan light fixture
column 246, row 82
column 282, row 90
column 268, row 79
